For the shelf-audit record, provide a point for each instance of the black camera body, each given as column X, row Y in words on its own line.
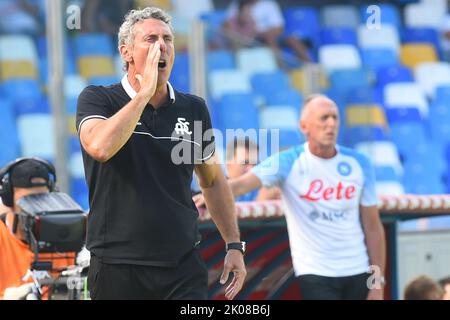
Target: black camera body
column 54, row 222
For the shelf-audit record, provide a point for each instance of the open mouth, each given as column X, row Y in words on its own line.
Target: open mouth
column 162, row 64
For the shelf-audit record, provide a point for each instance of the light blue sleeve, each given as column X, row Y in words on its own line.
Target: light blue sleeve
column 369, row 195
column 274, row 170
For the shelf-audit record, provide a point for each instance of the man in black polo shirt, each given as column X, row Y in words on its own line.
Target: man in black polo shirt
column 140, row 146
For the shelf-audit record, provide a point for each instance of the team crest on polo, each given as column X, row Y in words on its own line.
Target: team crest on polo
column 344, row 169
column 182, row 127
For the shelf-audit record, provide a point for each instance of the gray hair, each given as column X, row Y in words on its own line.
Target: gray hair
column 126, row 35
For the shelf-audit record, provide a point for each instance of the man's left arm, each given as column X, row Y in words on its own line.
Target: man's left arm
column 220, row 203
column 376, row 247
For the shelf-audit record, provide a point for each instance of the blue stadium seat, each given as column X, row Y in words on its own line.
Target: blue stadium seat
column 73, row 85
column 336, row 96
column 396, row 73
column 32, row 105
column 79, row 192
column 69, row 67
column 303, row 23
column 440, row 72
column 375, row 58
column 334, row 57
column 406, row 135
column 344, row 81
column 41, row 44
column 422, row 35
column 43, row 70
column 220, row 59
column 442, row 93
column 20, row 89
column 71, row 105
column 406, row 94
column 36, row 135
column 355, row 135
column 75, row 158
column 290, row 138
column 288, row 97
column 275, row 81
column 279, row 117
column 386, row 173
column 424, row 185
column 382, row 153
column 430, row 153
column 256, row 60
column 439, row 119
column 239, row 111
column 361, row 95
column 228, row 81
column 18, row 48
column 338, row 36
column 8, row 133
column 93, row 44
column 103, row 81
column 389, row 14
column 422, row 178
column 340, row 15
column 385, row 37
column 403, row 114
column 180, row 78
column 74, row 145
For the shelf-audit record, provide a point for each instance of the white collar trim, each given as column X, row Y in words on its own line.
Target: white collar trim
column 131, row 93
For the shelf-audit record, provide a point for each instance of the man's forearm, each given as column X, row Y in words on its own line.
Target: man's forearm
column 244, row 184
column 220, row 203
column 107, row 137
column 376, row 247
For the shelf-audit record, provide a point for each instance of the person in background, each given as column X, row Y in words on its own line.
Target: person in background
column 261, row 21
column 242, row 156
column 445, row 284
column 104, row 15
column 23, row 177
column 423, row 288
column 241, row 27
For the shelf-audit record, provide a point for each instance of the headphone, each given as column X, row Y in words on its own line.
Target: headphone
column 7, row 189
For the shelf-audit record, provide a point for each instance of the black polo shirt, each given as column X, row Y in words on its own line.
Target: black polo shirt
column 141, row 209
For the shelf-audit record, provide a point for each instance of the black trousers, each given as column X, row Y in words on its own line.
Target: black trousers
column 187, row 281
column 314, row 287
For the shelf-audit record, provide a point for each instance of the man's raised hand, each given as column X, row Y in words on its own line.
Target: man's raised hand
column 149, row 79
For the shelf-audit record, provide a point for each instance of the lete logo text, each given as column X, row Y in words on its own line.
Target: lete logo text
column 318, row 191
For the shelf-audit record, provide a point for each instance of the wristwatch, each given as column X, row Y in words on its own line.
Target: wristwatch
column 241, row 246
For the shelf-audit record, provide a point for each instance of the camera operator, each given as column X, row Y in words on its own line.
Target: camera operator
column 20, row 178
